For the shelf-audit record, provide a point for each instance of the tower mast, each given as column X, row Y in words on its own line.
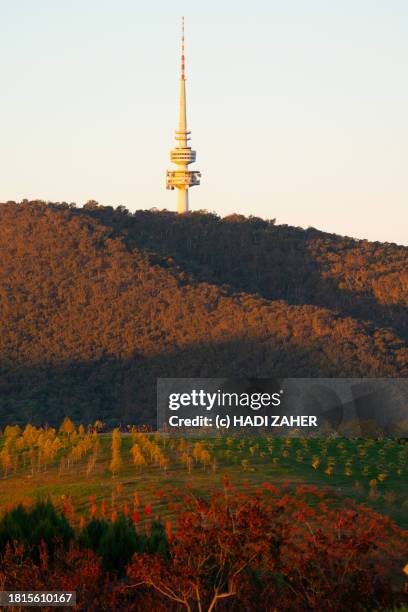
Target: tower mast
column 182, row 155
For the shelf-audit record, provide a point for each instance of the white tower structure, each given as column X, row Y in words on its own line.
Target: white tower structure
column 182, row 155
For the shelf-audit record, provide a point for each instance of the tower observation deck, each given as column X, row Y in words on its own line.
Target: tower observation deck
column 182, row 155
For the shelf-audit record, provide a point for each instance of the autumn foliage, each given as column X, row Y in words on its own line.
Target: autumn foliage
column 274, row 550
column 263, row 549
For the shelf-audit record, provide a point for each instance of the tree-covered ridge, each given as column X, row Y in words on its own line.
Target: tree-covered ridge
column 96, row 303
column 367, row 280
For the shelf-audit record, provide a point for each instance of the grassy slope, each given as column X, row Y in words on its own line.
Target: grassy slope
column 146, row 482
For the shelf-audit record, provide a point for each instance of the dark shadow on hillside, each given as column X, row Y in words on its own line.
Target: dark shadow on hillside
column 125, row 391
column 249, row 255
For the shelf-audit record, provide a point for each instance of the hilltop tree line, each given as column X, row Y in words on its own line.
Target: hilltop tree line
column 367, row 280
column 96, row 303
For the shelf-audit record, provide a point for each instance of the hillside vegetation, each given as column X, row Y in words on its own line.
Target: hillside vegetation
column 96, row 303
column 292, row 523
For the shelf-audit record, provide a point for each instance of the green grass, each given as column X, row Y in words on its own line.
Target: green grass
column 354, row 464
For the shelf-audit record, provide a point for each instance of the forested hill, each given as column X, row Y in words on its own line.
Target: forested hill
column 96, row 303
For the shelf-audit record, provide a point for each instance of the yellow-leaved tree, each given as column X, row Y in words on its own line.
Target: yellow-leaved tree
column 67, row 426
column 116, row 461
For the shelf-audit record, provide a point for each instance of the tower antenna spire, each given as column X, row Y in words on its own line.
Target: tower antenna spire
column 182, row 155
column 183, row 74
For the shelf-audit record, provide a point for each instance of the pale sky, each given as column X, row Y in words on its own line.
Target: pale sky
column 298, row 108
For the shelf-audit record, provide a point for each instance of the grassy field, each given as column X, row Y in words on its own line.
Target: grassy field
column 76, row 470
